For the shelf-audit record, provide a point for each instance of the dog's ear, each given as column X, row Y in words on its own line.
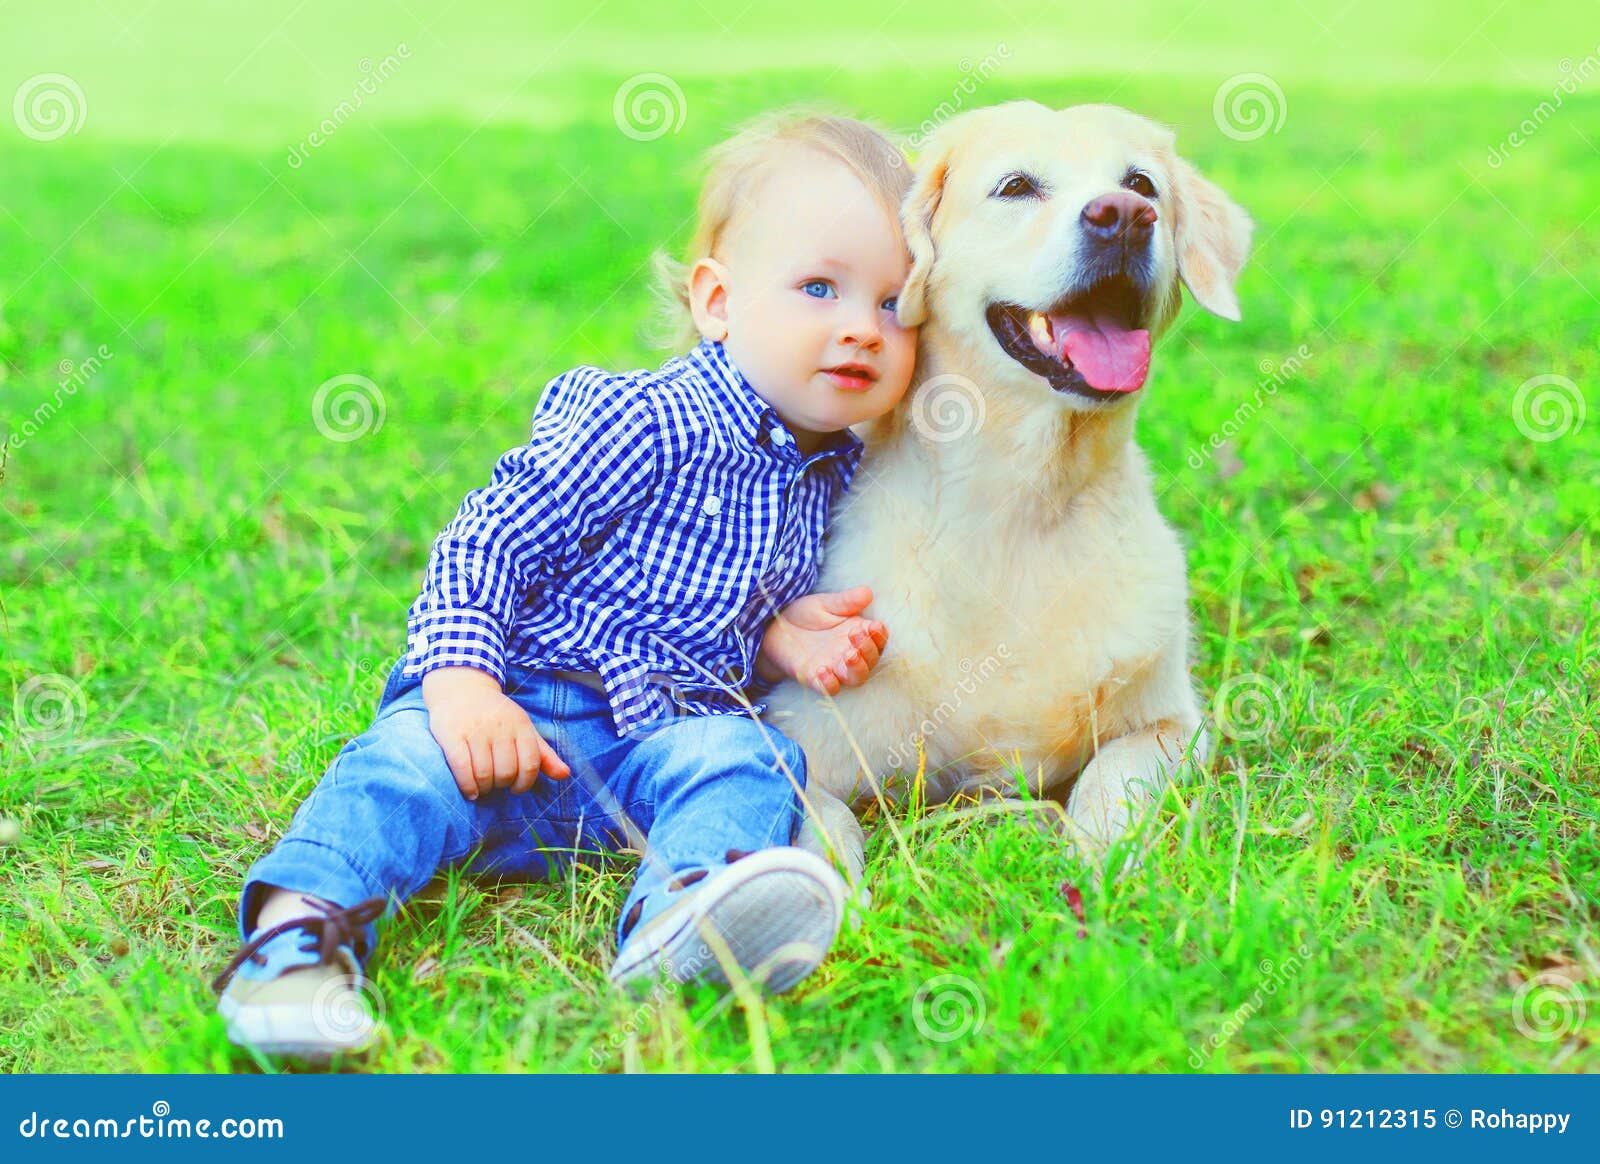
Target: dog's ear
column 916, row 219
column 1213, row 240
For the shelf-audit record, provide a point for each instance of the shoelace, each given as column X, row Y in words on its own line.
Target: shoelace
column 331, row 928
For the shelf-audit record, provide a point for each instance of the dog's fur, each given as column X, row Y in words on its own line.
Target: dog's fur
column 1035, row 599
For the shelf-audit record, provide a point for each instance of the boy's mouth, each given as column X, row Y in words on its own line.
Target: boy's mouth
column 851, row 377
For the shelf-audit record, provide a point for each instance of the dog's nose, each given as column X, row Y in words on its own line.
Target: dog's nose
column 1123, row 214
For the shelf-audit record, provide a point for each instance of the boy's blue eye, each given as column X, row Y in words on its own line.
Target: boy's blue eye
column 892, row 303
column 825, row 293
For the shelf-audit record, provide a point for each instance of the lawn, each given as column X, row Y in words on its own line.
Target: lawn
column 1385, row 478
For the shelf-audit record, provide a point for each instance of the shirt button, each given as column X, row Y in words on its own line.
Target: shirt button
column 779, row 437
column 712, row 505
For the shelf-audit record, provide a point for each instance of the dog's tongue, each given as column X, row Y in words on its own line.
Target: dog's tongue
column 1109, row 356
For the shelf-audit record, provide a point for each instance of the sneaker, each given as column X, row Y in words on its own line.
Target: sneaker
column 775, row 911
column 296, row 990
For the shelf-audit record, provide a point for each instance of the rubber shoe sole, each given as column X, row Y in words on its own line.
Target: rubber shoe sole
column 309, row 1014
column 775, row 913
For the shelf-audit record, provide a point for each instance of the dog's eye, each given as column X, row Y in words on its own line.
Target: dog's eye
column 1016, row 186
column 1139, row 183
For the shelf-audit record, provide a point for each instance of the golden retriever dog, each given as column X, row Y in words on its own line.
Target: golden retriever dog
column 1003, row 516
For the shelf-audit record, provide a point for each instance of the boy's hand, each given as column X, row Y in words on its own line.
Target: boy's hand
column 487, row 738
column 821, row 641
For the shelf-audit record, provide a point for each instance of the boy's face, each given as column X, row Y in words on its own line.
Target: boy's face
column 813, row 267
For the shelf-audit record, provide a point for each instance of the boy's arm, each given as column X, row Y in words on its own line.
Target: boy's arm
column 822, row 641
column 593, row 455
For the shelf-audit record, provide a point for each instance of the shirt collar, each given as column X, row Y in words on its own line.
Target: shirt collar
column 753, row 416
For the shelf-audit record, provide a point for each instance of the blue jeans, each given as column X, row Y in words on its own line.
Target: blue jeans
column 687, row 791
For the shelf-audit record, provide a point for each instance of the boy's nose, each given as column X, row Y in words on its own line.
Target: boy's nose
column 862, row 331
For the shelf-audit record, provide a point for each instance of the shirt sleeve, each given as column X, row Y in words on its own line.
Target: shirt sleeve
column 594, row 455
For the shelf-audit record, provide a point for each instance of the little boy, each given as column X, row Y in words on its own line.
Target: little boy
column 590, row 622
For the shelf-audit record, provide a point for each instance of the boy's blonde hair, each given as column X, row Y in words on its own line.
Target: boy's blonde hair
column 734, row 168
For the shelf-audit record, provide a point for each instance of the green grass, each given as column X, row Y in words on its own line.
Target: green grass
column 1402, row 579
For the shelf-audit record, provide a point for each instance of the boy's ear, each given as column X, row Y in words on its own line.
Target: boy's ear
column 916, row 220
column 708, row 298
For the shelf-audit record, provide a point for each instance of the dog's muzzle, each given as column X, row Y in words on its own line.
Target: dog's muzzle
column 1093, row 341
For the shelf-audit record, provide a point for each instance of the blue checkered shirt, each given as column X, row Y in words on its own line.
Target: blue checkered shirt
column 648, row 531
